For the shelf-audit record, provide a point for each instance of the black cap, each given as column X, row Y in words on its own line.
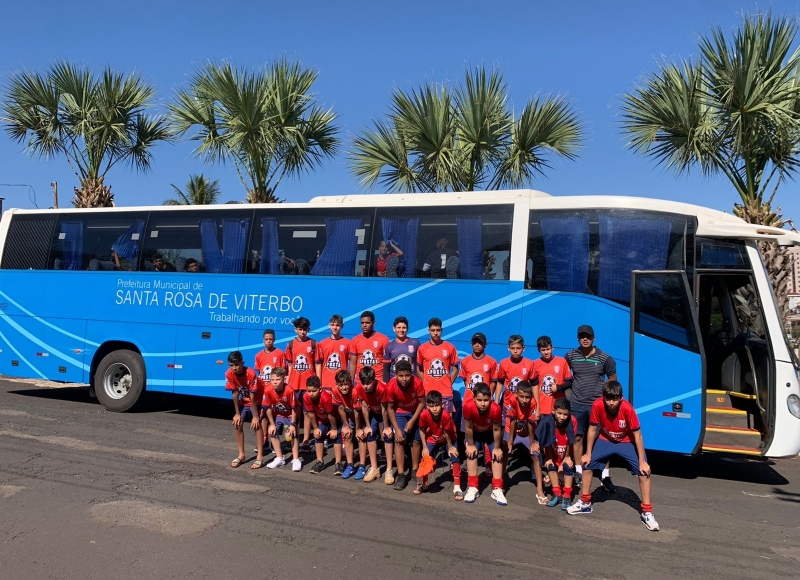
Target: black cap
column 478, row 337
column 585, row 329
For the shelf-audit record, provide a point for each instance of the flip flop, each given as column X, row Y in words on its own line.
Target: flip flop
column 236, row 462
column 257, row 464
column 541, row 499
column 458, row 496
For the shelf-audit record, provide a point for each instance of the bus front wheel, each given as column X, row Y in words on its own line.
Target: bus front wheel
column 119, row 380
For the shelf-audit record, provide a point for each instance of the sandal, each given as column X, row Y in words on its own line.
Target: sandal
column 257, row 464
column 542, row 499
column 458, row 495
column 236, row 462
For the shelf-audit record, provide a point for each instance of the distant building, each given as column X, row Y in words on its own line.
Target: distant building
column 794, row 300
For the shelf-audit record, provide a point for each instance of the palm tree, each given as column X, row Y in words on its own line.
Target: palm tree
column 265, row 122
column 95, row 121
column 440, row 139
column 734, row 111
column 198, row 191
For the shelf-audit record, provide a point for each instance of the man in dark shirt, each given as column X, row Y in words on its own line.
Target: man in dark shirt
column 160, row 265
column 436, row 262
column 590, row 368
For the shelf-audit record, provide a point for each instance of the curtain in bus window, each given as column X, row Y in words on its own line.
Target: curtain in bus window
column 212, row 256
column 72, row 245
column 270, row 258
column 404, row 232
column 566, row 252
column 470, row 249
column 127, row 245
column 339, row 256
column 234, row 244
column 629, row 244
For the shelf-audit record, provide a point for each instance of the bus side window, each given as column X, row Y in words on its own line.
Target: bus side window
column 27, row 244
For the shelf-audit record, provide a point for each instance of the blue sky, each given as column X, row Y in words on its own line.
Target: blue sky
column 593, row 52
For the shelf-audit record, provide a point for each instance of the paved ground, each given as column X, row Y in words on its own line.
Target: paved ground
column 85, row 493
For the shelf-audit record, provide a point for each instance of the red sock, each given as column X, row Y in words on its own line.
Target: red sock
column 497, row 483
column 457, row 473
column 472, row 481
column 567, row 492
column 647, row 507
column 556, row 491
column 586, row 497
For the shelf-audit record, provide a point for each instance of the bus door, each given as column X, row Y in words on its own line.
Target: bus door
column 666, row 361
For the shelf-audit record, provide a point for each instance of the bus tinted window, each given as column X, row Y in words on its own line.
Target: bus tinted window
column 27, row 244
column 721, row 254
column 468, row 242
column 311, row 241
column 594, row 251
column 98, row 241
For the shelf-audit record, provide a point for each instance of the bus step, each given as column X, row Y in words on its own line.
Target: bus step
column 731, row 449
column 727, row 417
column 717, row 398
column 726, row 435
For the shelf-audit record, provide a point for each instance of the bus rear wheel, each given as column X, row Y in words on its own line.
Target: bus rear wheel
column 119, row 380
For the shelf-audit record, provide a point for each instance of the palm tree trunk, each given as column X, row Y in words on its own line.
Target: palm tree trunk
column 93, row 193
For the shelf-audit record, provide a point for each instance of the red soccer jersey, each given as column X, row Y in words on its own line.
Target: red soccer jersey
column 333, row 355
column 550, row 374
column 246, row 383
column 482, row 423
column 511, row 372
column 516, row 411
column 477, row 370
column 322, row 408
column 282, row 403
column 404, row 401
column 435, row 430
column 436, row 362
column 369, row 352
column 268, row 360
column 301, row 356
column 617, row 429
column 347, row 401
column 374, row 399
column 562, row 441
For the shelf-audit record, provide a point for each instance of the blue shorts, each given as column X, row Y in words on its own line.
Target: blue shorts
column 402, row 421
column 434, row 447
column 603, row 450
column 581, row 413
column 281, row 424
column 484, row 438
column 567, row 470
column 324, row 428
column 518, row 440
column 246, row 414
column 374, row 424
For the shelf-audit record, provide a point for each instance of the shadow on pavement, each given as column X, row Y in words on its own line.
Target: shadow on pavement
column 786, row 495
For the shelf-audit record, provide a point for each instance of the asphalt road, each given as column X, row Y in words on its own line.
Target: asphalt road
column 85, row 493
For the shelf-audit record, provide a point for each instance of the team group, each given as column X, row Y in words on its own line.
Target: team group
column 355, row 392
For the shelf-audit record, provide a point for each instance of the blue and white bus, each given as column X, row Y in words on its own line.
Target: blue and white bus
column 677, row 294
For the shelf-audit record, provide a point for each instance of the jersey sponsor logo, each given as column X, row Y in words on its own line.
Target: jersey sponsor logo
column 266, row 373
column 334, row 362
column 368, row 358
column 548, row 384
column 301, row 363
column 437, row 369
column 622, row 423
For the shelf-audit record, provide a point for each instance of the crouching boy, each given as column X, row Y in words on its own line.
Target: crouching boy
column 556, row 436
column 436, row 429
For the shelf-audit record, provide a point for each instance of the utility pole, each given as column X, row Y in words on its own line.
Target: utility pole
column 55, row 194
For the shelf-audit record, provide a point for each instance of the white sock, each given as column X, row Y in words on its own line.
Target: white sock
column 579, row 468
column 606, row 473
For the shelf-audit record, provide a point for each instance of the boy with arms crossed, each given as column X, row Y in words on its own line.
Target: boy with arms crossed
column 483, row 426
column 514, row 369
column 404, row 399
column 301, row 354
column 318, row 405
column 247, row 391
column 269, row 358
column 436, row 428
column 369, row 403
column 553, row 373
column 477, row 367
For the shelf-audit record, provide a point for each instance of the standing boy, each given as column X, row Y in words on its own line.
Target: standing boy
column 556, row 435
column 333, row 353
column 620, row 435
column 247, row 392
column 401, row 348
column 369, row 402
column 279, row 417
column 436, row 428
column 367, row 349
column 301, row 353
column 477, row 367
column 269, row 358
column 553, row 373
column 437, row 362
column 514, row 369
column 404, row 399
column 483, row 427
column 318, row 406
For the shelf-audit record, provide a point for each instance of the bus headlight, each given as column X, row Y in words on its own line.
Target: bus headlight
column 794, row 405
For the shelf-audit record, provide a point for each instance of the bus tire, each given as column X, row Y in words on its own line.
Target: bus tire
column 119, row 380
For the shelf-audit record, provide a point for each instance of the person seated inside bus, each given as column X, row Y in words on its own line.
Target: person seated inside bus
column 377, row 266
column 435, row 264
column 192, row 265
column 161, row 265
column 119, row 262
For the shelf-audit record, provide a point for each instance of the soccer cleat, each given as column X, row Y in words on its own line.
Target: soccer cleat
column 297, row 465
column 608, row 485
column 373, row 473
column 400, row 482
column 388, row 479
column 565, row 503
column 361, row 472
column 348, row 471
column 499, row 497
column 277, row 462
column 554, row 502
column 317, row 467
column 338, row 469
column 579, row 507
column 471, row 495
column 650, row 521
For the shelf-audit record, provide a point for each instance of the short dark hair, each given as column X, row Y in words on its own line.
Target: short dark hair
column 544, row 342
column 434, row 322
column 366, row 375
column 368, row 314
column 525, row 387
column 612, row 389
column 400, row 319
column 279, row 372
column 561, row 403
column 516, row 339
column 235, row 357
column 434, row 398
column 269, row 331
column 402, row 366
column 302, row 322
column 482, row 389
column 313, row 381
column 190, row 261
column 157, row 256
column 343, row 378
column 337, row 318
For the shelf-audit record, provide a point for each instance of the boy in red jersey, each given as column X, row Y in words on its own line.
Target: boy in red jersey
column 620, row 435
column 269, row 358
column 247, row 392
column 521, row 415
column 483, row 425
column 436, row 428
column 301, row 354
column 514, row 369
column 333, row 353
column 344, row 400
column 477, row 367
column 319, row 411
column 556, row 435
column 366, row 349
column 404, row 398
column 553, row 373
column 437, row 364
column 369, row 404
column 279, row 416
